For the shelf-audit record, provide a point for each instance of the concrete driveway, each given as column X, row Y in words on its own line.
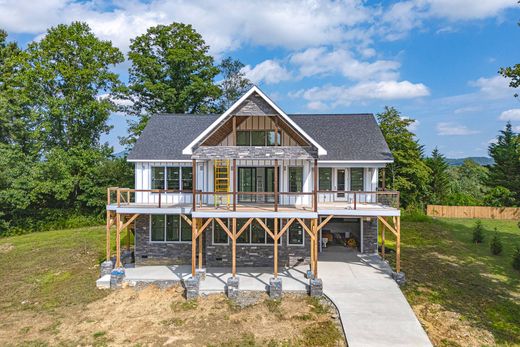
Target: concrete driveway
column 373, row 310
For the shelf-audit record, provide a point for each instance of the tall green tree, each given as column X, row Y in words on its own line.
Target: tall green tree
column 506, row 154
column 171, row 72
column 408, row 173
column 234, row 83
column 439, row 183
column 468, row 186
column 63, row 76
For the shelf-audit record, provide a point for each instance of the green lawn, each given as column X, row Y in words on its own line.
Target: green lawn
column 443, row 267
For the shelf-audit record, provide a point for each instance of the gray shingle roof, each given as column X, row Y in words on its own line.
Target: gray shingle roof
column 344, row 136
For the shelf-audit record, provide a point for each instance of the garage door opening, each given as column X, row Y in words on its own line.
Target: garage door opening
column 342, row 232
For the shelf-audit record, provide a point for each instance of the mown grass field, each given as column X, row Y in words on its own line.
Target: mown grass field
column 463, row 295
column 48, row 298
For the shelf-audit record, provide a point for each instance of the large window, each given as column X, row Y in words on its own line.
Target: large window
column 258, row 138
column 172, row 178
column 169, row 228
column 295, row 234
column 295, row 179
column 219, row 235
column 254, row 233
column 356, row 179
column 325, row 178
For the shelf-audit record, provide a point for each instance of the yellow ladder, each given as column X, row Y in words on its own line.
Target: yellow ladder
column 221, row 182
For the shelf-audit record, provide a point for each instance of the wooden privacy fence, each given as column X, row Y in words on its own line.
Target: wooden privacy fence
column 481, row 212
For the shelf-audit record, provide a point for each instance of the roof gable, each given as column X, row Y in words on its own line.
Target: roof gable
column 252, row 101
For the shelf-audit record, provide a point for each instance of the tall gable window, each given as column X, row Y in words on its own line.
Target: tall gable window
column 172, row 178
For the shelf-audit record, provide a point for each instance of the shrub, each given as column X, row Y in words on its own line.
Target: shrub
column 478, row 232
column 516, row 258
column 496, row 244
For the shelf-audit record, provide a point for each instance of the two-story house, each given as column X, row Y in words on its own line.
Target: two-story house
column 254, row 186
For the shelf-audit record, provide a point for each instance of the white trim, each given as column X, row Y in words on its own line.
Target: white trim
column 188, row 150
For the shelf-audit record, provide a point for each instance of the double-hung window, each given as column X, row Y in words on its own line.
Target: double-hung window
column 169, row 228
column 254, row 233
column 172, row 177
column 219, row 235
column 295, row 234
column 356, row 179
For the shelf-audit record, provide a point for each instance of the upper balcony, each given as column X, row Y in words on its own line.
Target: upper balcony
column 254, row 204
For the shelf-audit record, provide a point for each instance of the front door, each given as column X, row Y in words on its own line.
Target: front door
column 340, row 183
column 252, row 179
column 246, row 183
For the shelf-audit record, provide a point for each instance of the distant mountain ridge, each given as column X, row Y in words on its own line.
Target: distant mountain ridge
column 479, row 160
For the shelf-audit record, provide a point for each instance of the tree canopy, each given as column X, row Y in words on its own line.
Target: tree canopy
column 408, row 173
column 439, row 183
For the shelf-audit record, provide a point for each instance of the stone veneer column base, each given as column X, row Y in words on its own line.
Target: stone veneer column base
column 106, row 268
column 201, row 274
column 192, row 287
column 316, row 287
column 116, row 278
column 399, row 277
column 232, row 287
column 275, row 288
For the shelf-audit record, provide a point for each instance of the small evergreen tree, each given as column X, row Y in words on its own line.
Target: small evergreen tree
column 496, row 244
column 439, row 183
column 516, row 258
column 478, row 232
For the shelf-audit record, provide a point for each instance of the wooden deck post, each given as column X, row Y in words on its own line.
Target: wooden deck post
column 128, row 238
column 234, row 184
column 276, row 185
column 109, row 217
column 275, row 248
column 315, row 186
column 315, row 231
column 382, row 240
column 200, row 243
column 398, row 244
column 118, row 240
column 234, row 245
column 194, row 184
column 193, row 245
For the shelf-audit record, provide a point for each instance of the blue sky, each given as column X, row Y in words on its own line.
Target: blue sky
column 434, row 60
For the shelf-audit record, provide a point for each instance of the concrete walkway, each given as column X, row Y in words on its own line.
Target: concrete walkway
column 373, row 310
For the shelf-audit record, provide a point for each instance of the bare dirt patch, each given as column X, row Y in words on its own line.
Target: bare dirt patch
column 163, row 317
column 447, row 328
column 6, row 247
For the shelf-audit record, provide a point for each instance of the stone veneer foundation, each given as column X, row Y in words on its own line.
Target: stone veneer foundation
column 219, row 255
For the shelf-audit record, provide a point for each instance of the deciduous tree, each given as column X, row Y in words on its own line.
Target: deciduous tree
column 234, row 83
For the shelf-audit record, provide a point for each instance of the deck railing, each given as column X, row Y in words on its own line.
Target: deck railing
column 269, row 201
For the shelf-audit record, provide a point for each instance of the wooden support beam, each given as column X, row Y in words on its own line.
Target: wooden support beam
column 314, row 224
column 204, row 226
column 276, row 248
column 391, row 228
column 266, row 228
column 234, row 244
column 224, row 227
column 118, row 240
column 312, row 254
column 199, row 236
column 193, row 245
column 286, row 226
column 306, row 228
column 244, row 227
column 398, row 245
column 183, row 216
column 130, row 221
column 322, row 224
column 109, row 224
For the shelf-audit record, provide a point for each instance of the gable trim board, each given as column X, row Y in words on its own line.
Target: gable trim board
column 188, row 150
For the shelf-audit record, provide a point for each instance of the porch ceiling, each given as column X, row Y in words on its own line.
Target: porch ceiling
column 247, row 152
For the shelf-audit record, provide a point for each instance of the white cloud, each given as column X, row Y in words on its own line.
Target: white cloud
column 268, row 71
column 467, row 109
column 512, row 114
column 453, row 129
column 493, row 87
column 468, row 9
column 516, row 129
column 414, row 126
column 321, row 61
column 345, row 95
